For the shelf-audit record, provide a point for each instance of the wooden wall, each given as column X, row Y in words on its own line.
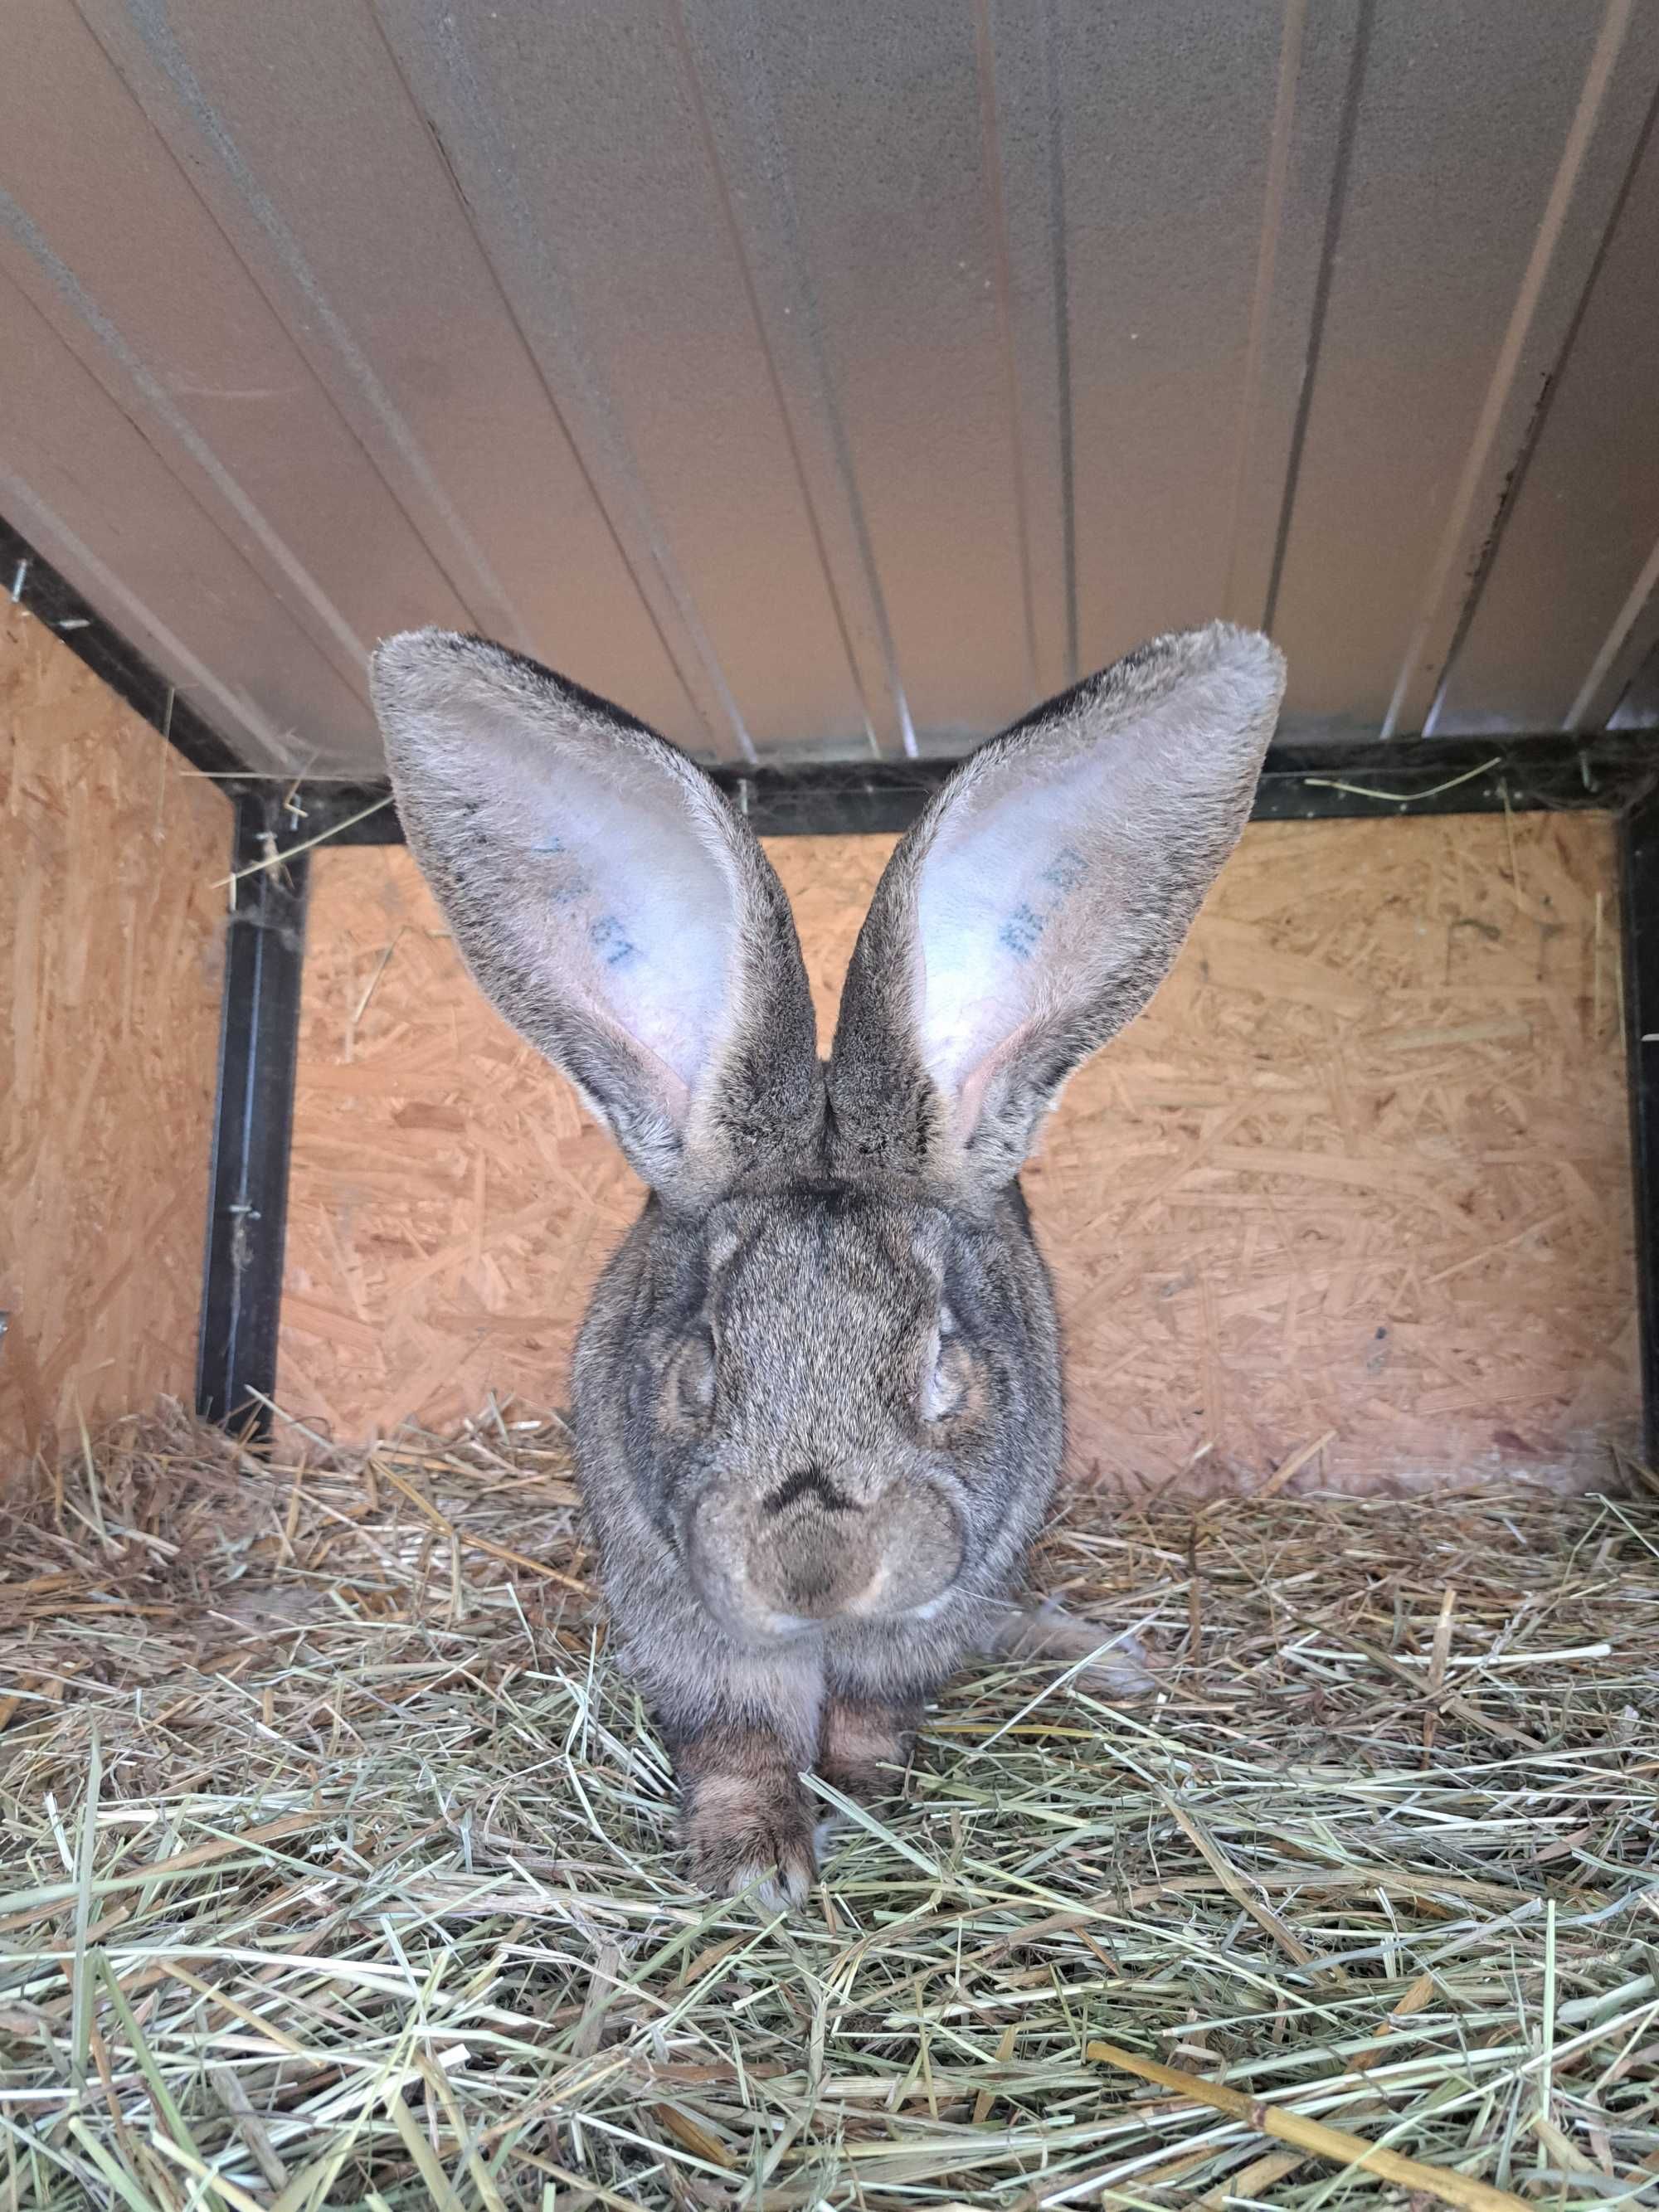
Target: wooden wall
column 110, row 939
column 1361, row 1170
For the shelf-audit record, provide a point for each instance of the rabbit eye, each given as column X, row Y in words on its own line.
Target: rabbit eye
column 693, row 1379
column 946, row 1385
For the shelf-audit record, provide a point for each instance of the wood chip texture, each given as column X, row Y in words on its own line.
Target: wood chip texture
column 111, row 946
column 1359, row 1174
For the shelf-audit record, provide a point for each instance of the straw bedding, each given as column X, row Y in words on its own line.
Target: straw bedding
column 339, row 1869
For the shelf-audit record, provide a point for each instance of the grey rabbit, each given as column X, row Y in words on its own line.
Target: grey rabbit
column 817, row 1401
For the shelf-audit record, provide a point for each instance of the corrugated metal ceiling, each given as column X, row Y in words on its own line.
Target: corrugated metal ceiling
column 834, row 376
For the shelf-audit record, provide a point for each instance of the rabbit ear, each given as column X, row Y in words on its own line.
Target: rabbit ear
column 608, row 901
column 1039, row 902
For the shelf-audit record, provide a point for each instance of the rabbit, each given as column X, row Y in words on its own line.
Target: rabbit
column 816, row 1395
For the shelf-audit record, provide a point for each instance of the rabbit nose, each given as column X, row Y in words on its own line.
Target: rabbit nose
column 775, row 1564
column 811, row 1482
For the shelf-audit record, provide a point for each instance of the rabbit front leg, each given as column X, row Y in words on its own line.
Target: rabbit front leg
column 864, row 1742
column 742, row 1728
column 746, row 1817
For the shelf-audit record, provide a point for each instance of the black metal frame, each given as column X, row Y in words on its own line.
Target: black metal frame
column 27, row 580
column 277, row 827
column 253, row 1118
column 1302, row 782
column 1638, row 856
column 1610, row 774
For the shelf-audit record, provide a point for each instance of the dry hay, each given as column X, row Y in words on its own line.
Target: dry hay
column 339, row 1867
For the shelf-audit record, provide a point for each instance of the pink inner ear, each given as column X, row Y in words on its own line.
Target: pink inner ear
column 982, row 1076
column 602, row 875
column 670, row 1087
column 996, row 914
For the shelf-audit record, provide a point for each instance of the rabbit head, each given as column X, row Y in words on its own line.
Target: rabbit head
column 817, row 1394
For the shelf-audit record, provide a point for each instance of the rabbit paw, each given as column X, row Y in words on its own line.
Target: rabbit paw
column 1117, row 1667
column 864, row 1744
column 741, row 1834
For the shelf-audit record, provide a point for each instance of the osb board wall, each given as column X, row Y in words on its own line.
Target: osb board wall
column 1360, row 1173
column 110, row 948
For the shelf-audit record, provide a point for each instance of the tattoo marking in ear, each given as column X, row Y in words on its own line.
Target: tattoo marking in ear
column 1066, row 870
column 1026, row 924
column 611, row 941
column 572, row 886
column 1020, row 932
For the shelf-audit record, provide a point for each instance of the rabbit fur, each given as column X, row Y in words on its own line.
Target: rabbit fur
column 817, row 1398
